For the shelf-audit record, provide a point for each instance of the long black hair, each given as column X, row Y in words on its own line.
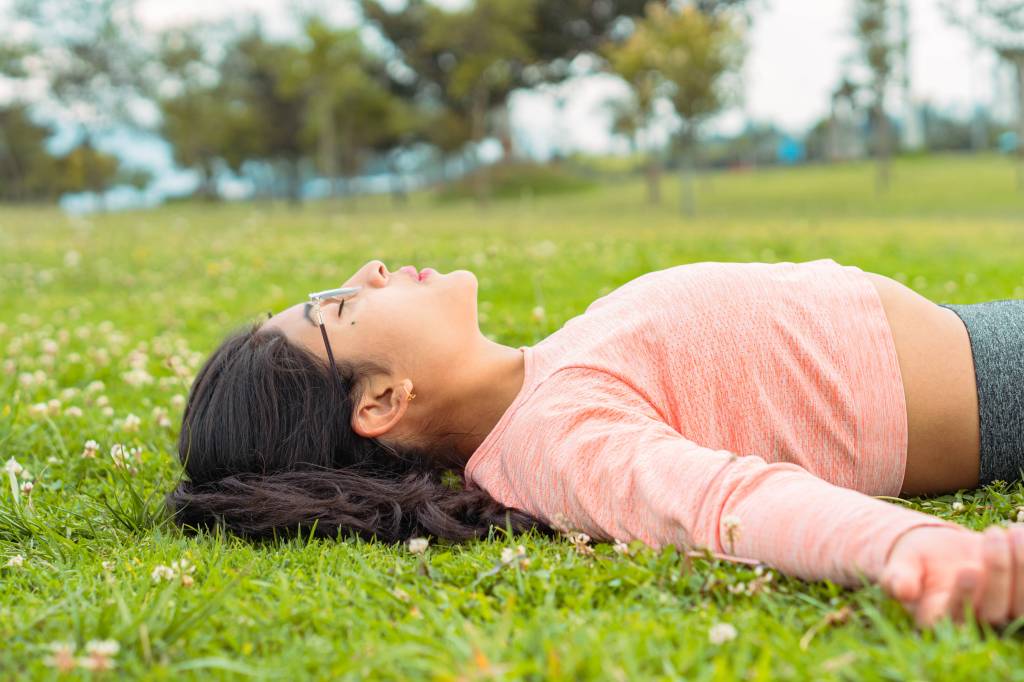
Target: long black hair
column 268, row 447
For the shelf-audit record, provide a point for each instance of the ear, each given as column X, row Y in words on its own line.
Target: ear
column 382, row 406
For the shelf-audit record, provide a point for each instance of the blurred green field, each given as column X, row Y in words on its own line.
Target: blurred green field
column 103, row 317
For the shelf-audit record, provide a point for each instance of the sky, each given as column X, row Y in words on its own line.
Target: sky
column 797, row 52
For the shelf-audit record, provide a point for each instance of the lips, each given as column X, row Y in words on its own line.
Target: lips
column 418, row 276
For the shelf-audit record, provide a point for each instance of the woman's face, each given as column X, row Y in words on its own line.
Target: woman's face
column 416, row 328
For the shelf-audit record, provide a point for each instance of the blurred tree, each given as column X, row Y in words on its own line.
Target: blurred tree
column 88, row 56
column 842, row 137
column 685, row 56
column 873, row 28
column 198, row 119
column 632, row 60
column 999, row 25
column 86, row 169
column 27, row 171
column 462, row 63
column 352, row 112
column 421, row 69
column 482, row 49
column 269, row 113
column 564, row 29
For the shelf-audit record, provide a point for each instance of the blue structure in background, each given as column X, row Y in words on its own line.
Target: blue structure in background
column 789, row 150
column 1008, row 142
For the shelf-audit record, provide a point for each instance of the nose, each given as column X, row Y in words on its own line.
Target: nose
column 374, row 273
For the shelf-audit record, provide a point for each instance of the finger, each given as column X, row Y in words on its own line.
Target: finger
column 1017, row 542
column 994, row 599
column 903, row 581
column 932, row 606
column 967, row 589
column 938, row 592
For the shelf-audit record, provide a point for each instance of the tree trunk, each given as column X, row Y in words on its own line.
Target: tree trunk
column 881, row 144
column 688, row 170
column 1018, row 63
column 653, row 174
column 327, row 144
column 481, row 179
column 503, row 126
column 294, row 182
column 399, row 197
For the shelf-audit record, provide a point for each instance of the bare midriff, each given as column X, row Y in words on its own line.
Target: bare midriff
column 935, row 360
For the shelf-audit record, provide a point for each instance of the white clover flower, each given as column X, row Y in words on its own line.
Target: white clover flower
column 63, row 657
column 538, row 313
column 119, row 453
column 131, row 423
column 107, row 411
column 73, row 411
column 418, row 545
column 107, row 565
column 621, row 547
column 103, row 647
column 178, row 401
column 161, row 572
column 160, row 417
column 183, row 566
column 137, row 377
column 581, row 542
column 37, row 410
column 720, row 633
column 94, row 387
column 958, row 506
column 102, row 401
column 50, row 347
column 100, row 654
column 91, row 448
column 16, row 561
column 12, row 467
column 68, row 393
column 26, row 487
column 53, row 406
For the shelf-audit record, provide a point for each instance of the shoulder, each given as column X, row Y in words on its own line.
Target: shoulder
column 594, row 391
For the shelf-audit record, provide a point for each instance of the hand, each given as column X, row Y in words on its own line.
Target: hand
column 934, row 570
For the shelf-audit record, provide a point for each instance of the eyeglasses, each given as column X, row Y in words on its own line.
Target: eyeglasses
column 317, row 314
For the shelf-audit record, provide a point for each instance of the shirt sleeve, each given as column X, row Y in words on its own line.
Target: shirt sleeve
column 601, row 460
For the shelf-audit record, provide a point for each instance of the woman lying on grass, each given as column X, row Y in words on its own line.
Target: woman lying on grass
column 749, row 408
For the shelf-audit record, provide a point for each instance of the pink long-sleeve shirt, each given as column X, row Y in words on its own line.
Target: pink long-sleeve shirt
column 743, row 407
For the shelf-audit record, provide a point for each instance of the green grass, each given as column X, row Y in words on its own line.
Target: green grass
column 151, row 286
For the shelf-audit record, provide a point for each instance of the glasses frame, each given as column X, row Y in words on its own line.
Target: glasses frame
column 318, row 297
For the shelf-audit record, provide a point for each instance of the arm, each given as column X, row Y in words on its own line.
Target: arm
column 605, row 460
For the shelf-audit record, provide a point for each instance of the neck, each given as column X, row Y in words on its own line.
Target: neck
column 484, row 388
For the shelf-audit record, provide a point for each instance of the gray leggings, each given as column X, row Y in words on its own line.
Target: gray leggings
column 996, row 330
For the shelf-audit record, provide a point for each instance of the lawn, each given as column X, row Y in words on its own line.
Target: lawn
column 104, row 320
